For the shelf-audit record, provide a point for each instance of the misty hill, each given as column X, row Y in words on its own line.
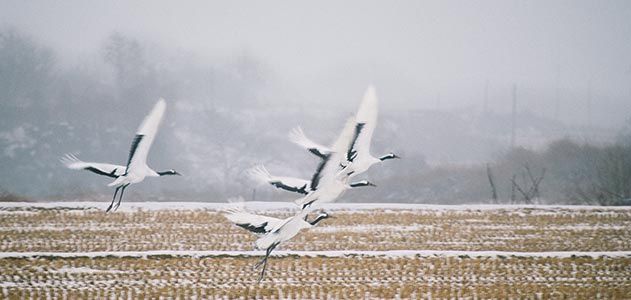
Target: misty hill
column 223, row 117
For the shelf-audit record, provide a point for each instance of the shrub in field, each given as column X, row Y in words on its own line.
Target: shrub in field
column 6, row 196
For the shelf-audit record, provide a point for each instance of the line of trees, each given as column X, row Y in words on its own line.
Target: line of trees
column 49, row 106
column 217, row 127
column 567, row 171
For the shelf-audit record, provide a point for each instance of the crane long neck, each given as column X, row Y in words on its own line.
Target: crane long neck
column 166, row 173
column 386, row 157
column 318, row 219
column 359, row 183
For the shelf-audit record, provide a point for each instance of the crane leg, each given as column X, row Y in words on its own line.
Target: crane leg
column 264, row 261
column 121, row 197
column 113, row 199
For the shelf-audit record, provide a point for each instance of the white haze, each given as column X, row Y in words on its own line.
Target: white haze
column 78, row 76
column 420, row 54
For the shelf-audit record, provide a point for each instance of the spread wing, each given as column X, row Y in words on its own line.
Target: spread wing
column 144, row 136
column 291, row 184
column 285, row 230
column 329, row 167
column 315, row 180
column 351, row 153
column 366, row 121
column 110, row 170
column 255, row 223
column 298, row 137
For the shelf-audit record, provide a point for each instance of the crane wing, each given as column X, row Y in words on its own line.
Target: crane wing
column 329, row 167
column 291, row 184
column 110, row 170
column 298, row 137
column 144, row 136
column 366, row 121
column 351, row 153
column 285, row 230
column 257, row 224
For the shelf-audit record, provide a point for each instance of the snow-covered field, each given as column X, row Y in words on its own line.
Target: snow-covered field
column 272, row 206
column 369, row 250
column 84, row 227
column 339, row 253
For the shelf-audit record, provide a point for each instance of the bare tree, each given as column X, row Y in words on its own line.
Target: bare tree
column 493, row 189
column 529, row 189
column 611, row 182
column 513, row 192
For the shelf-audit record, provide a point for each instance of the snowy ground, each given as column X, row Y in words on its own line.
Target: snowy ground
column 228, row 277
column 85, row 227
column 188, row 250
column 272, row 206
column 340, row 253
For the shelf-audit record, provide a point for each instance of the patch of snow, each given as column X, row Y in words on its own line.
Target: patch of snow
column 92, row 227
column 274, row 206
column 341, row 253
column 375, row 227
column 74, row 270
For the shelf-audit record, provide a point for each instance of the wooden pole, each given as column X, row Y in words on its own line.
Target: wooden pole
column 514, row 117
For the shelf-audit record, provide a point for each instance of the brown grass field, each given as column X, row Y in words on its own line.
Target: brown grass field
column 511, row 276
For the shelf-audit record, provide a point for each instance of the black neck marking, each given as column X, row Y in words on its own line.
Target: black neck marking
column 318, row 219
column 308, row 203
column 169, row 172
column 359, row 183
column 386, row 157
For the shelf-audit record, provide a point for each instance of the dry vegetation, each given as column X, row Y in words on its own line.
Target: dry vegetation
column 524, row 230
column 432, row 277
column 317, row 278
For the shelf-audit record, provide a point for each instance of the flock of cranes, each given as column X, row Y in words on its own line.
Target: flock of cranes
column 347, row 157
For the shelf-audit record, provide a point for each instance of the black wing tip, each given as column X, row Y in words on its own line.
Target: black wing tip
column 317, row 153
column 134, row 147
column 252, row 228
column 100, row 172
column 316, row 176
column 352, row 153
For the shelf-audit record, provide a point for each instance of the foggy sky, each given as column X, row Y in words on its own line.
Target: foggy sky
column 421, row 55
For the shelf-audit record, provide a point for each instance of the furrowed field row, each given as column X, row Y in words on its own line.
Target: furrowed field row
column 24, row 229
column 317, row 277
